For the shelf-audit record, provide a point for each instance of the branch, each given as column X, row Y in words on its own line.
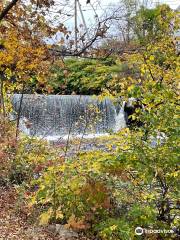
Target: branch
column 109, row 52
column 7, row 9
column 66, row 53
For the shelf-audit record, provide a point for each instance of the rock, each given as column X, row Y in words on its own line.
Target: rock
column 62, row 231
column 130, row 107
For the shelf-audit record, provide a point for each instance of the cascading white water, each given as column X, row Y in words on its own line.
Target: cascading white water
column 120, row 119
column 61, row 115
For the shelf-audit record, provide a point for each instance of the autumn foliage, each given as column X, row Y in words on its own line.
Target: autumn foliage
column 133, row 180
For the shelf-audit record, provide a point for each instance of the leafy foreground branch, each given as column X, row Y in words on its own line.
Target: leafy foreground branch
column 110, row 194
column 7, row 9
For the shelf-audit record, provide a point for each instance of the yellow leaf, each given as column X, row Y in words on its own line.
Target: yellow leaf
column 151, row 58
column 59, row 214
column 113, row 227
column 130, row 88
column 45, row 217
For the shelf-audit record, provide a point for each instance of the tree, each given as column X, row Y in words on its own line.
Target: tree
column 87, row 76
column 150, row 24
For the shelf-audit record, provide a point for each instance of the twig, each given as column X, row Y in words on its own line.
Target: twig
column 19, row 111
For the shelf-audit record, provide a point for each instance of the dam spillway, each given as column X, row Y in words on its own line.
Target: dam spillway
column 61, row 115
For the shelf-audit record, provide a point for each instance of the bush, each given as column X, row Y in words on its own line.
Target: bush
column 114, row 229
column 8, row 145
column 31, row 158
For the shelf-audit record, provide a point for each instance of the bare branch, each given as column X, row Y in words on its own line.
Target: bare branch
column 7, row 9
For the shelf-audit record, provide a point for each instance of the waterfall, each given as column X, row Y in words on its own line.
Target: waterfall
column 62, row 115
column 120, row 121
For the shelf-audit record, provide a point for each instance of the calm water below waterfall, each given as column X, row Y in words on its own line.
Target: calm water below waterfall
column 56, row 116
